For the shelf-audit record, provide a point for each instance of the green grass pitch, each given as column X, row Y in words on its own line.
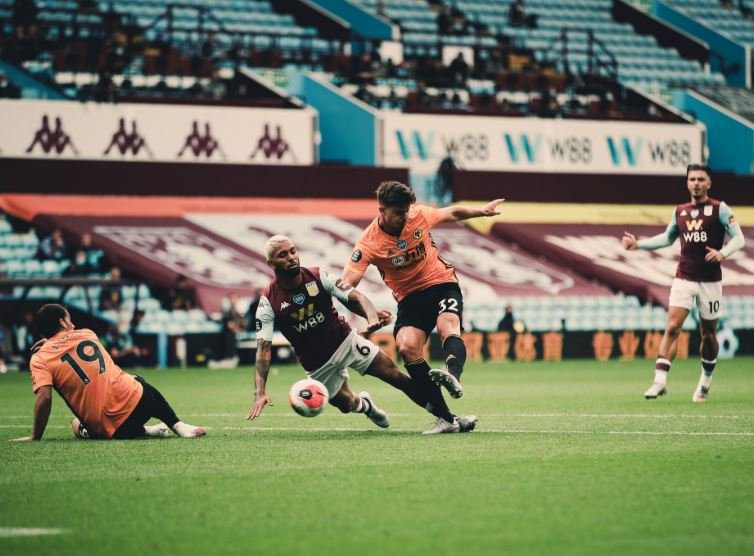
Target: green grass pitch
column 568, row 458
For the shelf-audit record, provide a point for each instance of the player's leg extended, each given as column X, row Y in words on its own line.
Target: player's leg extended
column 386, row 370
column 708, row 350
column 449, row 329
column 410, row 342
column 349, row 402
column 158, row 407
column 667, row 352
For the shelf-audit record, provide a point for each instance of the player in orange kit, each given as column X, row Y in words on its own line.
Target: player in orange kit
column 107, row 402
column 399, row 243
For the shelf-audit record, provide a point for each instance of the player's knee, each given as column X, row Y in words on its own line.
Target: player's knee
column 409, row 353
column 673, row 328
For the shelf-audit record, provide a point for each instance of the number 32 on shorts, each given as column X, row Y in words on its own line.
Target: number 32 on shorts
column 448, row 305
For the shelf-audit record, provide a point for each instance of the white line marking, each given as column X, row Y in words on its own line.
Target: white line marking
column 28, row 532
column 491, row 431
column 535, row 415
column 496, row 415
column 254, row 428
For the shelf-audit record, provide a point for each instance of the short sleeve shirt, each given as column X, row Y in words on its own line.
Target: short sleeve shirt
column 409, row 262
column 79, row 368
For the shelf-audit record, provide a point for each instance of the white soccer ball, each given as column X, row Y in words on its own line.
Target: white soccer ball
column 308, row 397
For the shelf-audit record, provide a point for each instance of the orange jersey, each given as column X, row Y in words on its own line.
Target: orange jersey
column 98, row 392
column 409, row 262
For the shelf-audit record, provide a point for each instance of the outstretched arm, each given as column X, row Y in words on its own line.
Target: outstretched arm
column 463, row 212
column 351, row 277
column 42, row 408
column 361, row 305
column 261, row 399
column 630, row 243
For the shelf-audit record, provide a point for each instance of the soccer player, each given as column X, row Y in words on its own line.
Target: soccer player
column 702, row 225
column 398, row 242
column 299, row 303
column 107, row 402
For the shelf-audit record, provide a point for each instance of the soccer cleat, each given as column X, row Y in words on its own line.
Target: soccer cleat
column 467, row 423
column 442, row 377
column 657, row 389
column 441, row 426
column 375, row 414
column 161, row 430
column 700, row 394
column 184, row 430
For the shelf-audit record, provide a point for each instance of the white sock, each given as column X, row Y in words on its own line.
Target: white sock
column 185, row 430
column 363, row 406
column 708, row 367
column 661, row 376
column 662, row 368
column 156, row 430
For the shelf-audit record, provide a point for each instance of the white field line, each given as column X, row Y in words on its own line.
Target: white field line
column 535, row 415
column 493, row 431
column 255, row 428
column 28, row 532
column 500, row 415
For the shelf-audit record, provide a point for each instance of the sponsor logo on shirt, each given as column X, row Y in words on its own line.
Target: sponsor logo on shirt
column 258, row 325
column 356, row 255
column 693, row 225
column 299, row 298
column 312, row 288
column 694, row 213
column 401, row 244
column 398, row 261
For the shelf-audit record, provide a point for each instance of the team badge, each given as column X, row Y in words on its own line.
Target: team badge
column 401, row 244
column 299, row 299
column 312, row 288
column 258, row 325
column 417, row 233
column 398, row 261
column 356, row 255
column 708, row 210
column 694, row 213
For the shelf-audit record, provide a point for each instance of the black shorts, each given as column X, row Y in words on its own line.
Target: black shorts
column 151, row 404
column 421, row 309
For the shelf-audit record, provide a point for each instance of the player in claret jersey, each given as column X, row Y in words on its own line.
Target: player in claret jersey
column 107, row 402
column 702, row 225
column 399, row 243
column 299, row 303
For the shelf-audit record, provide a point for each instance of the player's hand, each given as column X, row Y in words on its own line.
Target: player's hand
column 490, row 208
column 23, row 439
column 38, row 345
column 629, row 241
column 713, row 255
column 372, row 326
column 386, row 317
column 256, row 409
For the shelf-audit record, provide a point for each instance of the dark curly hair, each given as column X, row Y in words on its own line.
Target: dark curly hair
column 395, row 194
column 703, row 167
column 48, row 318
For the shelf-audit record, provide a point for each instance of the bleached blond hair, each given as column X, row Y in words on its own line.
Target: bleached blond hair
column 271, row 245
